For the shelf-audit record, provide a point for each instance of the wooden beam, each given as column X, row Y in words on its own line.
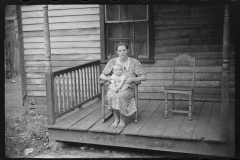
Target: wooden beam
column 225, row 77
column 48, row 74
column 21, row 52
column 47, row 38
column 102, row 32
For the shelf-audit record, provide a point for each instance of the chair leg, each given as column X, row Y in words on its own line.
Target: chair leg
column 190, row 108
column 166, row 106
column 103, row 105
column 173, row 101
column 193, row 107
column 103, row 110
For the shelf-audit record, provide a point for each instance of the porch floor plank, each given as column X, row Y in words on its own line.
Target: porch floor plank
column 133, row 128
column 163, row 123
column 214, row 126
column 141, row 106
column 187, row 127
column 201, row 125
column 100, row 126
column 175, row 123
column 205, row 124
column 88, row 121
column 153, row 121
column 77, row 116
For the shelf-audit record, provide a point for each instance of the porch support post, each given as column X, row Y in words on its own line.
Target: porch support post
column 48, row 74
column 47, row 46
column 225, row 77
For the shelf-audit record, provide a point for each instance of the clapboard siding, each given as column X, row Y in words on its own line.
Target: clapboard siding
column 54, row 7
column 42, row 69
column 80, row 18
column 74, row 40
column 75, row 32
column 72, row 25
column 77, row 38
column 62, row 12
column 196, row 30
column 63, row 51
column 94, row 44
column 74, row 57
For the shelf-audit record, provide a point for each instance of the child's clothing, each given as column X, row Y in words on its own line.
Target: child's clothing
column 118, row 79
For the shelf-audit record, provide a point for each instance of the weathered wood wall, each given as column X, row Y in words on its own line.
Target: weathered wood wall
column 11, row 43
column 198, row 31
column 74, row 37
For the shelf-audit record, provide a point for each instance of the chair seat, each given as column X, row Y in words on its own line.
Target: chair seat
column 180, row 88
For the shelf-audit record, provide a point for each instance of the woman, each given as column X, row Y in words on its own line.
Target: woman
column 122, row 103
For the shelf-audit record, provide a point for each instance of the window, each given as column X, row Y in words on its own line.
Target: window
column 131, row 24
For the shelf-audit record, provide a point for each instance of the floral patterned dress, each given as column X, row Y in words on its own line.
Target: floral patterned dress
column 124, row 101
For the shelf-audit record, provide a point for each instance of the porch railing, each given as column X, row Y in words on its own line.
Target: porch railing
column 70, row 88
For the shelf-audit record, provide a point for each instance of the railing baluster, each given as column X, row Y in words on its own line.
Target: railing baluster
column 75, row 87
column 87, row 79
column 93, row 81
column 60, row 94
column 55, row 95
column 96, row 83
column 71, row 84
column 79, row 99
column 63, row 90
column 67, row 85
column 98, row 71
column 84, row 85
column 90, row 81
column 81, row 84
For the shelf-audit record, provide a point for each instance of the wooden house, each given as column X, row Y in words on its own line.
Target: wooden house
column 57, row 37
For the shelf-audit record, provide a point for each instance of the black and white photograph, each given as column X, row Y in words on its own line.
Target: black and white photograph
column 120, row 80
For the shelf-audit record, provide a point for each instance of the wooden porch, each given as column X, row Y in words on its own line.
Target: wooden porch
column 202, row 135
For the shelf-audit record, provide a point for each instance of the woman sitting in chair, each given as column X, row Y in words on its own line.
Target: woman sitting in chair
column 122, row 103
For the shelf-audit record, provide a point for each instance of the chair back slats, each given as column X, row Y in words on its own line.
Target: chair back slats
column 184, row 68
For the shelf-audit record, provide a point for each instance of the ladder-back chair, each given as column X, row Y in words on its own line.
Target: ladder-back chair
column 183, row 64
column 104, row 87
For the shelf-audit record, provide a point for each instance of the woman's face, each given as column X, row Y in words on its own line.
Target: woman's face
column 122, row 51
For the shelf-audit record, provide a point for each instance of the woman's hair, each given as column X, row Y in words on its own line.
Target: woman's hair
column 121, row 44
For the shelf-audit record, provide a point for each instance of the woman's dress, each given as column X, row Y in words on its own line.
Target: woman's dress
column 124, row 101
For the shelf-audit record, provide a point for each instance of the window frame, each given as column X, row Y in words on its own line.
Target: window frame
column 150, row 37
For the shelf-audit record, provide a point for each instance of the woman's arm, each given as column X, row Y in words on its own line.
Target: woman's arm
column 104, row 77
column 135, row 79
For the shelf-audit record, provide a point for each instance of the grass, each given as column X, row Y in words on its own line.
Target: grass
column 25, row 131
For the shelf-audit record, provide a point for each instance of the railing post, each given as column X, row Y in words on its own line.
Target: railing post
column 225, row 77
column 48, row 74
column 50, row 97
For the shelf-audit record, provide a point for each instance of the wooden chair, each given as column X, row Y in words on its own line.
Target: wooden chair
column 105, row 102
column 182, row 63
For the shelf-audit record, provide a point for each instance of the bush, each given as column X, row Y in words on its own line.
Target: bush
column 22, row 132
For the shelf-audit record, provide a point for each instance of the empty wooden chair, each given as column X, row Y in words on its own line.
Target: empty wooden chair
column 183, row 64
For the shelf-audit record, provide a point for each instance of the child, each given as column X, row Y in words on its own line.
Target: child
column 118, row 79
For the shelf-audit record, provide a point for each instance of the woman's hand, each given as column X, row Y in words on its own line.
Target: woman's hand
column 130, row 80
column 106, row 78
